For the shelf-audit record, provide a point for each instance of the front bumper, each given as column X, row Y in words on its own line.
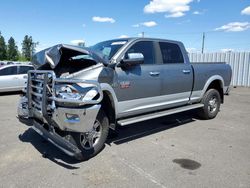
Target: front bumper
column 66, row 119
column 63, row 144
column 75, row 119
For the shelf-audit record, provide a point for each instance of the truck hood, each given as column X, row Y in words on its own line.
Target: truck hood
column 59, row 53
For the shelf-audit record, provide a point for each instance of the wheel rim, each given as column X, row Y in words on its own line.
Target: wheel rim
column 90, row 139
column 213, row 104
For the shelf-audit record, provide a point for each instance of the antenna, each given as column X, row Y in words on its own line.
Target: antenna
column 203, row 43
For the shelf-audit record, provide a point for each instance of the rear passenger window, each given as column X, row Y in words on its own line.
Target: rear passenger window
column 8, row 71
column 171, row 53
column 24, row 69
column 146, row 48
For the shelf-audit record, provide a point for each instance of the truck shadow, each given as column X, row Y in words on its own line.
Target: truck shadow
column 48, row 150
column 123, row 135
column 135, row 131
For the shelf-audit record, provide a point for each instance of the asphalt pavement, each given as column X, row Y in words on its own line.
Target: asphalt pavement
column 175, row 151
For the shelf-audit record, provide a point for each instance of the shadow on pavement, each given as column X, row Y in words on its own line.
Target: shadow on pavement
column 48, row 150
column 123, row 135
column 134, row 131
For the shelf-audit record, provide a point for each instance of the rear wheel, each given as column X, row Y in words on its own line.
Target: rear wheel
column 211, row 101
column 91, row 143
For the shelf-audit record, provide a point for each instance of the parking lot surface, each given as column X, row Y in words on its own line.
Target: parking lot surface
column 173, row 151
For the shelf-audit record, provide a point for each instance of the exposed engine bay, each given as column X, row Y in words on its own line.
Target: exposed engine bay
column 65, row 59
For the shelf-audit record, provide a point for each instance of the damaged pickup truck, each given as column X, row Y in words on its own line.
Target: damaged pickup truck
column 76, row 95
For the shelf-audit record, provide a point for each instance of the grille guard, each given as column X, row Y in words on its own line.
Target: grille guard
column 47, row 75
column 44, row 106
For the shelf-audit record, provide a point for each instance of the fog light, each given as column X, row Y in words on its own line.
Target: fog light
column 72, row 118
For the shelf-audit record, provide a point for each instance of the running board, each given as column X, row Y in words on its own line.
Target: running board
column 154, row 115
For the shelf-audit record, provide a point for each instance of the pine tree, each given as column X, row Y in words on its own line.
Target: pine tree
column 12, row 50
column 2, row 48
column 28, row 47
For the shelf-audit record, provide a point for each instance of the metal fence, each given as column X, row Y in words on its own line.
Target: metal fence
column 239, row 61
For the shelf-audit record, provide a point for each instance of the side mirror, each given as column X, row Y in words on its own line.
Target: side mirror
column 131, row 60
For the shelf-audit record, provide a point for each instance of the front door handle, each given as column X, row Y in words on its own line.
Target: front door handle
column 186, row 71
column 154, row 73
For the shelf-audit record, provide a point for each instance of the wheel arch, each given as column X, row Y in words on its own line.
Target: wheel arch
column 109, row 104
column 215, row 82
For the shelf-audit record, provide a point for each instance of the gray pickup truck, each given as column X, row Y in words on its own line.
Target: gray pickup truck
column 76, row 95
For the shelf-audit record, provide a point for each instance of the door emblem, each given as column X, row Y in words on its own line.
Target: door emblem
column 124, row 84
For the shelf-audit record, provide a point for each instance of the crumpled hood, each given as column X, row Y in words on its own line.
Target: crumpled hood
column 90, row 73
column 54, row 55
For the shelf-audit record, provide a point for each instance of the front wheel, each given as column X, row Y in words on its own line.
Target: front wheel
column 91, row 143
column 211, row 101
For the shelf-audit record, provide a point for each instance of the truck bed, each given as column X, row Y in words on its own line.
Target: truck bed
column 204, row 71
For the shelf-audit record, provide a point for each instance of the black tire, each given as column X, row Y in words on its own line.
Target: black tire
column 211, row 101
column 98, row 143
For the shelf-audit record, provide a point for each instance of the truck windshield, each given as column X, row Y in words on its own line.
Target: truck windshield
column 108, row 49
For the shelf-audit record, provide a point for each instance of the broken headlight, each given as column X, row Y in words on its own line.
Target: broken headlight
column 78, row 92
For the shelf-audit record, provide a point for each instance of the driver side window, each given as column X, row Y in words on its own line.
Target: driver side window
column 144, row 47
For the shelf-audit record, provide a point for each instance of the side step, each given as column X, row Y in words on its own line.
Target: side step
column 154, row 115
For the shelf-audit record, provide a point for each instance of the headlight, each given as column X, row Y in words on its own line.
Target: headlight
column 75, row 92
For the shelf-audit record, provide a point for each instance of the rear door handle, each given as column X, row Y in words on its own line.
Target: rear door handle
column 154, row 73
column 186, row 71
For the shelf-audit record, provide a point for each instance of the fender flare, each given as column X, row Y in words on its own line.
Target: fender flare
column 107, row 88
column 210, row 80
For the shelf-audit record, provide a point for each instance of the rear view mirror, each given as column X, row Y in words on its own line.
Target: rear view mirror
column 132, row 59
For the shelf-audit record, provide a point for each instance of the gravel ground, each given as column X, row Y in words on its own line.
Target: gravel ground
column 174, row 151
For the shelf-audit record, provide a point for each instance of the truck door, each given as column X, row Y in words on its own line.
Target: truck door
column 178, row 75
column 138, row 87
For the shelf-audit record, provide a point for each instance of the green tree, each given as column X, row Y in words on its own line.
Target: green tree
column 2, row 48
column 28, row 47
column 21, row 57
column 12, row 50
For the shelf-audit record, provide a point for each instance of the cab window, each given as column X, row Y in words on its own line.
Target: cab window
column 171, row 53
column 144, row 47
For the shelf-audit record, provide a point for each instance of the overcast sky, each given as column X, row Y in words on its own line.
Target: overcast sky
column 226, row 23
